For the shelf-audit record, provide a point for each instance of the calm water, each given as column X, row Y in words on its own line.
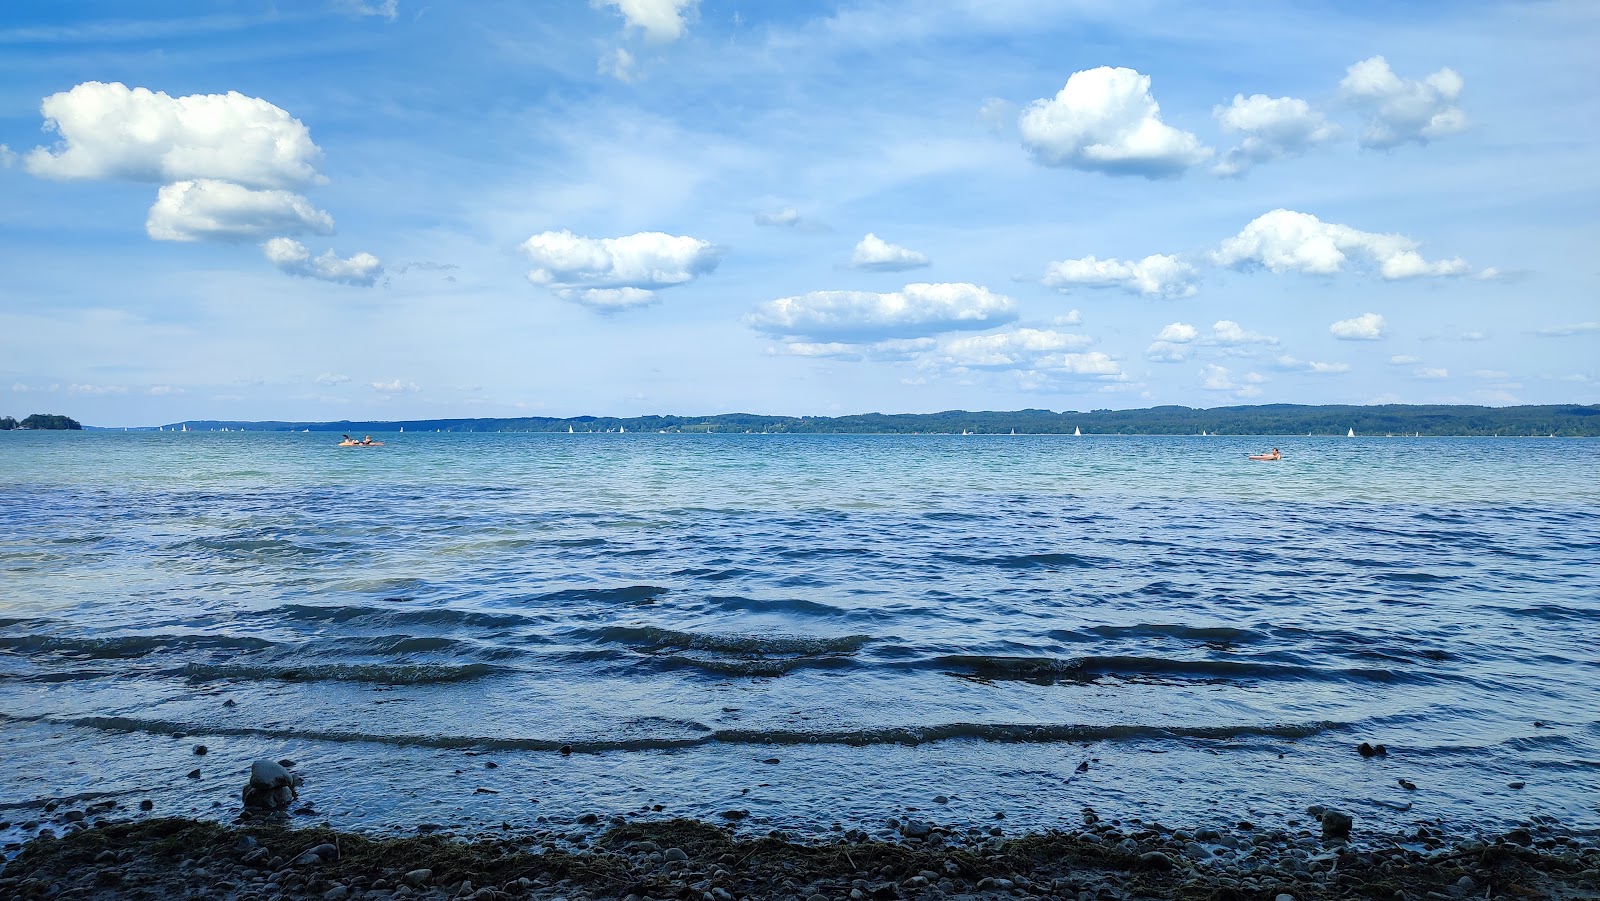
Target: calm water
column 890, row 618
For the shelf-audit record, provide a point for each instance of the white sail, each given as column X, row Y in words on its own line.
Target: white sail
column 1351, row 434
column 1077, row 432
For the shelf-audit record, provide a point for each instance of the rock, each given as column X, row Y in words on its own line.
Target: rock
column 271, row 787
column 735, row 815
column 674, row 854
column 1284, row 896
column 589, row 819
column 566, row 749
column 417, row 878
column 771, row 760
column 940, row 799
column 818, row 897
column 200, row 750
column 193, row 774
column 1515, row 784
column 1366, row 750
column 319, row 854
column 337, row 893
column 147, row 804
column 1155, row 860
column 73, row 816
column 916, row 829
column 1336, row 824
column 1407, row 784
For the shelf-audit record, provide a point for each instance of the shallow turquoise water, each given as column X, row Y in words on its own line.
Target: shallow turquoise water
column 891, row 617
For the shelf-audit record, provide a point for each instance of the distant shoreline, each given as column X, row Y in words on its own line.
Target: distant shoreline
column 1267, row 421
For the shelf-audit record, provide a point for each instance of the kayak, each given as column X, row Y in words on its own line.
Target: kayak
column 359, row 444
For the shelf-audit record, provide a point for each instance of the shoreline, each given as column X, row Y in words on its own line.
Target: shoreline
column 102, row 855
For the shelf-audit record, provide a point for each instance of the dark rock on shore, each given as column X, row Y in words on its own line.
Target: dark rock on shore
column 174, row 858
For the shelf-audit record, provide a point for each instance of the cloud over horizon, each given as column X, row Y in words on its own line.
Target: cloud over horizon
column 616, row 273
column 918, row 310
column 1284, row 241
column 1104, row 120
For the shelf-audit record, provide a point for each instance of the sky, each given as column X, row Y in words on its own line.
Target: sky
column 392, row 209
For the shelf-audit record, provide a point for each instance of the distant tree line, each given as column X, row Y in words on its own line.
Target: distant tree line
column 1565, row 420
column 49, row 421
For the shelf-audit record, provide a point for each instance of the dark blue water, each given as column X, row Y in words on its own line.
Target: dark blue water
column 890, row 618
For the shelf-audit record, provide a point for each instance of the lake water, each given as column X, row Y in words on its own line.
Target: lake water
column 889, row 618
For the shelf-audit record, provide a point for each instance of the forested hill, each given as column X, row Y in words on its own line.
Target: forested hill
column 1566, row 420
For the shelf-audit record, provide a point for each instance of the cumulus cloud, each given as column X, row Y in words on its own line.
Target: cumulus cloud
column 1366, row 327
column 396, row 386
column 896, row 349
column 330, row 379
column 1104, row 120
column 111, row 131
column 1227, row 333
column 784, row 217
column 1567, row 331
column 616, row 273
column 1431, row 374
column 1400, row 109
column 618, row 64
column 660, row 20
column 1404, row 359
column 1284, row 240
column 1292, row 364
column 96, row 390
column 1008, row 350
column 1219, row 378
column 1273, row 128
column 210, row 210
column 872, row 252
column 1178, row 333
column 292, row 257
column 165, row 390
column 1157, row 275
column 917, row 310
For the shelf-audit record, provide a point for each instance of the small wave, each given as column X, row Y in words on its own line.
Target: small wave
column 254, row 547
column 427, row 617
column 776, row 605
column 128, row 646
column 656, row 638
column 1020, row 733
column 628, row 594
column 1050, row 670
column 1551, row 612
column 1220, row 634
column 382, row 673
column 1029, row 561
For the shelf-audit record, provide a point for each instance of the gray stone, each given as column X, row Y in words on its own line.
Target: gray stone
column 674, row 854
column 1336, row 824
column 417, row 877
column 337, row 893
column 271, row 787
column 916, row 829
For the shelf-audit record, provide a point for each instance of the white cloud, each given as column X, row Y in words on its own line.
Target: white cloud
column 1071, row 317
column 387, row 9
column 1292, row 364
column 210, row 210
column 109, row 131
column 329, row 378
column 1008, row 350
column 1432, row 373
column 917, row 310
column 1178, row 333
column 616, row 273
column 96, row 390
column 1402, row 109
column 1491, row 373
column 1104, row 120
column 7, row 157
column 660, row 20
column 786, row 216
column 872, row 252
column 396, row 386
column 1404, row 360
column 897, row 349
column 1227, row 333
column 1158, row 275
column 618, row 64
column 1567, row 331
column 1219, row 378
column 1366, row 327
column 1284, row 240
column 166, row 390
column 1274, row 127
column 292, row 257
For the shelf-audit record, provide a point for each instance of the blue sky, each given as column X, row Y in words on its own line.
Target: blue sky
column 327, row 210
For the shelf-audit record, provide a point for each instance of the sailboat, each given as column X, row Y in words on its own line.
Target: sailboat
column 1351, row 433
column 1077, row 432
column 621, row 429
column 569, row 430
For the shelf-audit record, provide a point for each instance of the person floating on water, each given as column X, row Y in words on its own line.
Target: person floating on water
column 1275, row 455
column 364, row 442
